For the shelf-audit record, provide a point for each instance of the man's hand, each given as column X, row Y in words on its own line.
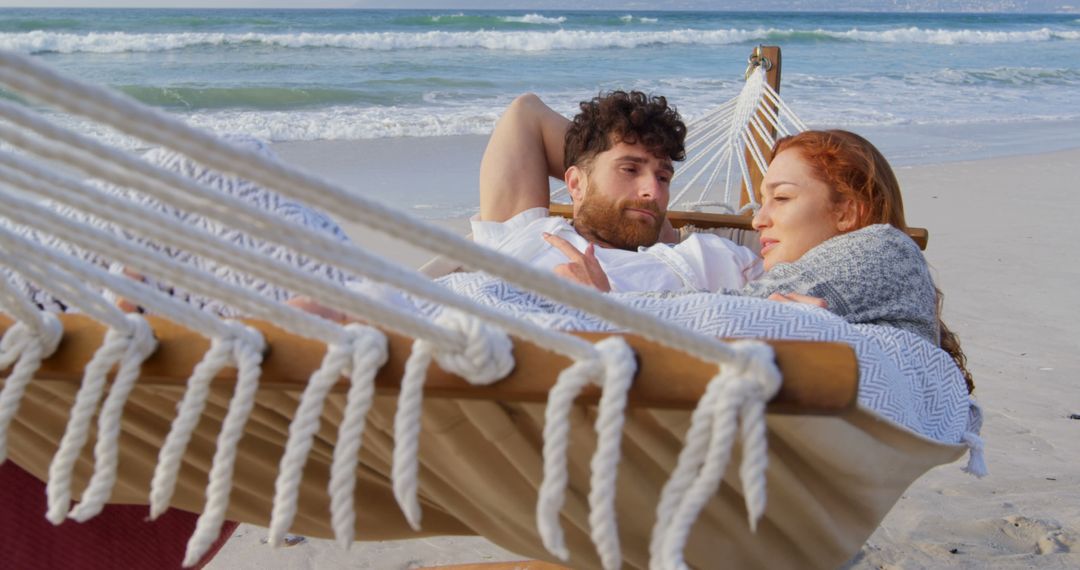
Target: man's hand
column 797, row 298
column 122, row 303
column 583, row 268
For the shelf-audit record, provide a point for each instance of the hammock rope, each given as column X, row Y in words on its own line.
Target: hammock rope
column 351, row 431
column 238, row 349
column 128, row 347
column 738, row 399
column 487, row 359
column 125, row 349
column 98, row 490
column 556, row 441
column 208, row 526
column 464, row 340
column 366, row 350
column 154, row 263
column 33, row 338
column 619, row 368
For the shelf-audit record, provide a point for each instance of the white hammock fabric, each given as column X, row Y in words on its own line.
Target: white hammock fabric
column 468, row 340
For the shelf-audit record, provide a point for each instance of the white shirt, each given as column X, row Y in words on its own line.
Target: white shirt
column 701, row 262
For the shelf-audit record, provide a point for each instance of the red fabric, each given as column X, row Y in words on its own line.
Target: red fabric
column 119, row 537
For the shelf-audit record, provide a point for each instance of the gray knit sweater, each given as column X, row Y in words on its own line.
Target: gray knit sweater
column 875, row 275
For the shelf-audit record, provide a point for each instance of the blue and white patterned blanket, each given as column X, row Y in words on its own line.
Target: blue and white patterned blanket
column 903, row 378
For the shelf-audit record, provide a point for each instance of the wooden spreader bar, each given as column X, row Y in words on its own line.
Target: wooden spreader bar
column 820, row 378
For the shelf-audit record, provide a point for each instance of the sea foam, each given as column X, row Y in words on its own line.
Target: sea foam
column 534, row 19
column 119, row 42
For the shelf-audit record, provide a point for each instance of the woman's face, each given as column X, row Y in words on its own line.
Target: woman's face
column 797, row 212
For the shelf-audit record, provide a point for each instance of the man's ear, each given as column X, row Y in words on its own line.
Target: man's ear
column 576, row 182
column 848, row 214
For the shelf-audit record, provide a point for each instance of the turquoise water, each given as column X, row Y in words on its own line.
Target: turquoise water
column 354, row 74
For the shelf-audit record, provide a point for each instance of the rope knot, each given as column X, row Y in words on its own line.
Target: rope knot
column 47, row 332
column 754, row 365
column 243, row 335
column 52, row 332
column 367, row 345
column 488, row 352
column 616, row 356
column 140, row 336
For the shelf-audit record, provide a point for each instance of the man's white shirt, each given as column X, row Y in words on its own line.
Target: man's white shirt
column 701, row 262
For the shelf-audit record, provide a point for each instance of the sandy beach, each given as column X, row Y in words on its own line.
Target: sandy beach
column 1001, row 237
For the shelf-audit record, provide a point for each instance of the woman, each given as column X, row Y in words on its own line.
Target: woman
column 831, row 226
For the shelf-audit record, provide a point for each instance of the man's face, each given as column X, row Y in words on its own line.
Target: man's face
column 621, row 200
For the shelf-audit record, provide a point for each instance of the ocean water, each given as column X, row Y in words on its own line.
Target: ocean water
column 930, row 87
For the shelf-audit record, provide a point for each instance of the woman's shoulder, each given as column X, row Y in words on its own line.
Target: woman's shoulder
column 875, row 237
column 875, row 274
column 876, row 252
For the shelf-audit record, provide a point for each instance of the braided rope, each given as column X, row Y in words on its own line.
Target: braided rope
column 735, row 394
column 365, row 365
column 619, row 368
column 106, row 450
column 556, row 440
column 128, row 348
column 614, row 372
column 403, row 471
column 26, row 343
column 224, row 351
column 976, row 464
column 704, row 485
column 690, row 458
column 302, row 428
column 363, row 349
column 487, row 358
column 249, row 366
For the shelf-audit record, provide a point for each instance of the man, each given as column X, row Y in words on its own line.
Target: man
column 617, row 158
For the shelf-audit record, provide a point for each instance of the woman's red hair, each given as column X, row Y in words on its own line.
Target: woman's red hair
column 855, row 170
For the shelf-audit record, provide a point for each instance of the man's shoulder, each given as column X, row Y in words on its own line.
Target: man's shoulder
column 531, row 221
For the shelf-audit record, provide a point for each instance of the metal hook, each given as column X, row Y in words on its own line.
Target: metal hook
column 756, row 59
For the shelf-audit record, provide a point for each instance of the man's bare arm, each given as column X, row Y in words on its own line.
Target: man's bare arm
column 525, row 148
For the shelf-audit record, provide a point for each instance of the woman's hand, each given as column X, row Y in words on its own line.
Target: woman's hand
column 797, row 298
column 583, row 267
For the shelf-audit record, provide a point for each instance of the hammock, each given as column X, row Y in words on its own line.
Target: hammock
column 649, row 485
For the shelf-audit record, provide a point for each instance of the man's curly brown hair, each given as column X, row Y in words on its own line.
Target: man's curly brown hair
column 630, row 117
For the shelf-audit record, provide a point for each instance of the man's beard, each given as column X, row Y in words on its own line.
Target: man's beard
column 607, row 221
